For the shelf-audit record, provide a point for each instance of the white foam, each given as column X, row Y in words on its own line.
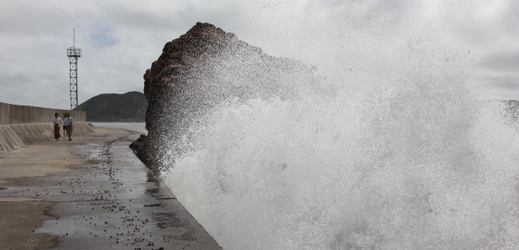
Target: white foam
column 396, row 151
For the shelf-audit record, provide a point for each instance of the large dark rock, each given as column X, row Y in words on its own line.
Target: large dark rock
column 198, row 71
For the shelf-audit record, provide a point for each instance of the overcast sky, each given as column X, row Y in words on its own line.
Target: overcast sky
column 121, row 38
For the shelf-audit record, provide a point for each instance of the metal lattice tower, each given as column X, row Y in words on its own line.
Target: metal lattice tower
column 73, row 54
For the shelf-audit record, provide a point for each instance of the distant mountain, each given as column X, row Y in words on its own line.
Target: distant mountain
column 129, row 107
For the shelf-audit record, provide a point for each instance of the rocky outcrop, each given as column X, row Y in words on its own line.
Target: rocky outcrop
column 198, row 71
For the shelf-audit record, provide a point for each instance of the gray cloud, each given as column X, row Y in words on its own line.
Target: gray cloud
column 120, row 39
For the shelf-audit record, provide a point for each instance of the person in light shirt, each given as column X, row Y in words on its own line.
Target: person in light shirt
column 67, row 123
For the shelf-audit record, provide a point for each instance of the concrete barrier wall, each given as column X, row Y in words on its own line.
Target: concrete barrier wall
column 16, row 114
column 21, row 126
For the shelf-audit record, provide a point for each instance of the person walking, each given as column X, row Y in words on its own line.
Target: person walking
column 57, row 126
column 65, row 136
column 67, row 122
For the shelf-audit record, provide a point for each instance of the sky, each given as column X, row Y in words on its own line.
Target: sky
column 120, row 39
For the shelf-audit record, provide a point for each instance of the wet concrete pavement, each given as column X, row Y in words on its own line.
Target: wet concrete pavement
column 111, row 202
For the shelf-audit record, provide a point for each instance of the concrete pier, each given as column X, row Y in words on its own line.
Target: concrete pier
column 90, row 193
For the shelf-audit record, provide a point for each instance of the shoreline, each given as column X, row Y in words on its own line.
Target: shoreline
column 91, row 192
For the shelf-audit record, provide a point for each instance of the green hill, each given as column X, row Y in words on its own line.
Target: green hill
column 129, row 107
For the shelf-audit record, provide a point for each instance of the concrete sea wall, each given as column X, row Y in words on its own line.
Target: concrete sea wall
column 21, row 126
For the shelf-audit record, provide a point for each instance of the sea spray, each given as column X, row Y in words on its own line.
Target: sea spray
column 397, row 153
column 417, row 165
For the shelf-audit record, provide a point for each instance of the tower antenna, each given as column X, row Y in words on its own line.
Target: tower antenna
column 73, row 56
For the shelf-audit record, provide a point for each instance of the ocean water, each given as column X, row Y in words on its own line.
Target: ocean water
column 400, row 148
column 137, row 126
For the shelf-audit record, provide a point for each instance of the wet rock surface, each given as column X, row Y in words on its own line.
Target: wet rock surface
column 112, row 202
column 197, row 72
